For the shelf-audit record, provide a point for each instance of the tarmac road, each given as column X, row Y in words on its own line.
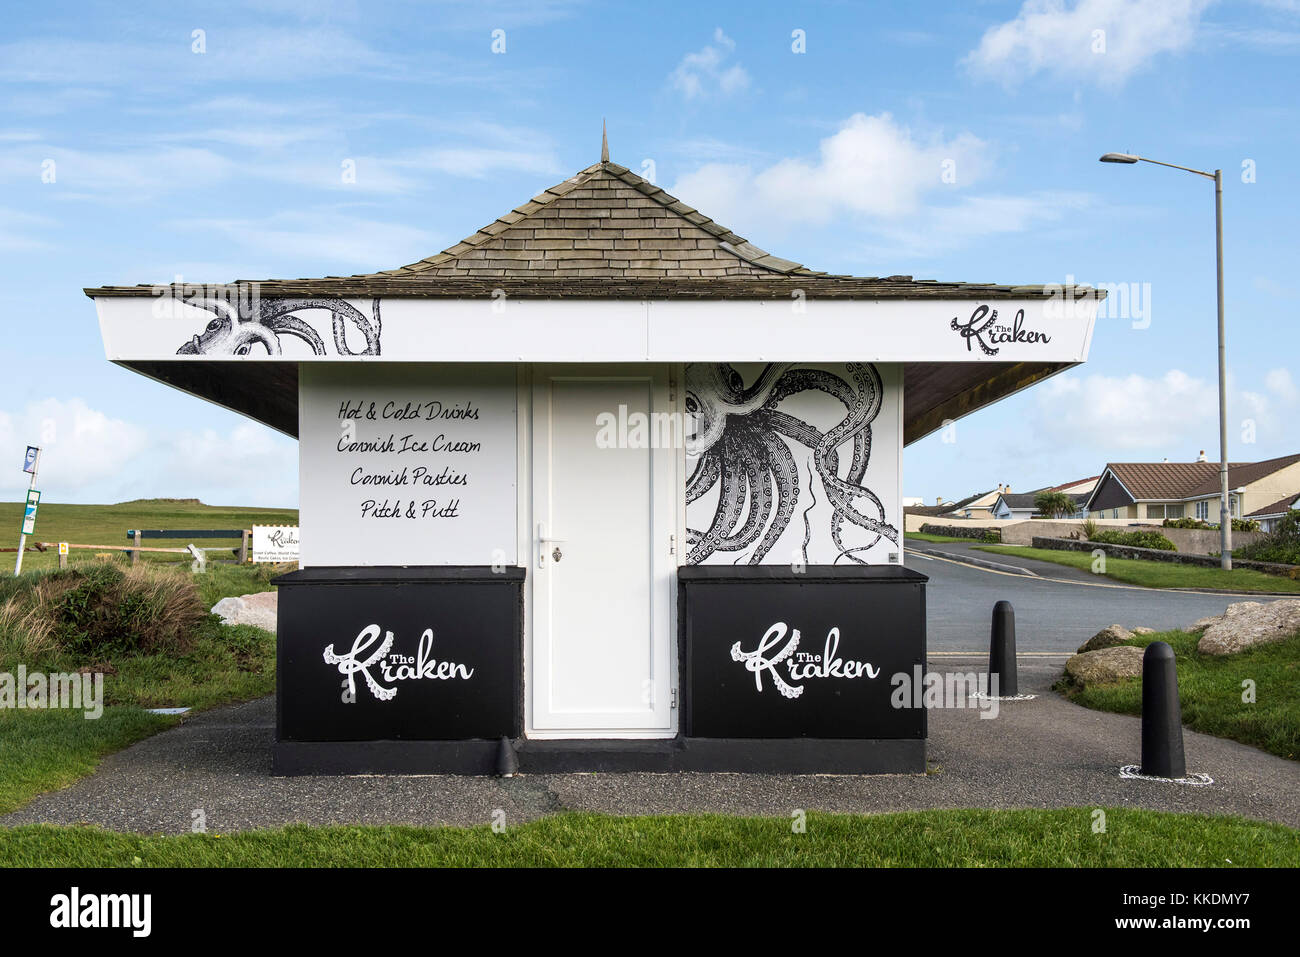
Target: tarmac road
column 1051, row 615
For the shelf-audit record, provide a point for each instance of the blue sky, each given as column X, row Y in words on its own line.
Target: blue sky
column 225, row 162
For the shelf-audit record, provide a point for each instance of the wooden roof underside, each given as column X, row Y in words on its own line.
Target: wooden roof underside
column 933, row 392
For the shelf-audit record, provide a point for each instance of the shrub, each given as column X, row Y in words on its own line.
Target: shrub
column 1134, row 539
column 1281, row 545
column 957, row 531
column 99, row 611
column 1089, row 529
column 993, row 535
column 1185, row 523
column 1238, row 524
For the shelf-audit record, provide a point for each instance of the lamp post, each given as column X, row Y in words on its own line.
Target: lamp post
column 1225, row 510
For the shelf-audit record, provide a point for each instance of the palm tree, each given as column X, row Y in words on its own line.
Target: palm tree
column 1054, row 505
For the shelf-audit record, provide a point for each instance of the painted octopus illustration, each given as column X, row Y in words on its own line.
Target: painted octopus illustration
column 738, row 445
column 240, row 327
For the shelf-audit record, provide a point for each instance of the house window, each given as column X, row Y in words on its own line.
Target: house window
column 1235, row 504
column 1173, row 511
column 1114, row 513
column 1203, row 510
column 1155, row 511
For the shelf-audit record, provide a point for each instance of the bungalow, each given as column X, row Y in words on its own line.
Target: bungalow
column 1022, row 506
column 604, row 486
column 1155, row 491
column 1270, row 514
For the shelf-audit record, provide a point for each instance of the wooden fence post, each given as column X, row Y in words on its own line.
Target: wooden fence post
column 243, row 547
column 135, row 555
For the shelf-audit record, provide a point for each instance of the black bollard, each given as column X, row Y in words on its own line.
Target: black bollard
column 507, row 760
column 1002, row 650
column 1162, row 717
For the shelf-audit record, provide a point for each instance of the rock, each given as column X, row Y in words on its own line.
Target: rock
column 257, row 610
column 1141, row 630
column 1250, row 623
column 1105, row 665
column 1108, row 637
column 1200, row 623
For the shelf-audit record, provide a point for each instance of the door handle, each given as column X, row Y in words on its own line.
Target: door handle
column 542, row 541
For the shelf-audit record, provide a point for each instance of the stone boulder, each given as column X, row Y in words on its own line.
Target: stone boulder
column 1105, row 665
column 256, row 610
column 1249, row 623
column 1140, row 630
column 1108, row 637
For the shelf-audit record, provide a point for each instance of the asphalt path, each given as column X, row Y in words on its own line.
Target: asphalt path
column 1037, row 753
column 1055, row 613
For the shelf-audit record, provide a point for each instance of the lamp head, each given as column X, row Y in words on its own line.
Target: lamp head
column 1119, row 158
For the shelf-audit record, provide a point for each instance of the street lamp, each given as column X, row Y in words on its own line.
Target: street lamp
column 1225, row 512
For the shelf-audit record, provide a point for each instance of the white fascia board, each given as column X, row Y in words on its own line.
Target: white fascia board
column 585, row 330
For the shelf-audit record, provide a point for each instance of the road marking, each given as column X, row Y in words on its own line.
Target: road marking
column 1141, row 588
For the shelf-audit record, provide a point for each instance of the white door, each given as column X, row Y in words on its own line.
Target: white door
column 602, row 555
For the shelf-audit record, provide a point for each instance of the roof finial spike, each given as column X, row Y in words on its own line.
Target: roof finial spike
column 604, row 142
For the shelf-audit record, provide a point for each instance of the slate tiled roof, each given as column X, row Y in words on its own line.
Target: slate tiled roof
column 607, row 233
column 606, row 222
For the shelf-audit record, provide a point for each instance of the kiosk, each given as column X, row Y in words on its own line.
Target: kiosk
column 603, row 484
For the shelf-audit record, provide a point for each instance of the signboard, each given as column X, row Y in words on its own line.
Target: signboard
column 29, row 513
column 30, row 458
column 406, row 654
column 63, row 549
column 275, row 544
column 772, row 654
column 486, row 328
column 407, row 465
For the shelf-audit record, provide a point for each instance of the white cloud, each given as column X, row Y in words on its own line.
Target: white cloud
column 1100, row 41
column 709, row 73
column 89, row 455
column 1171, row 415
column 323, row 235
column 872, row 166
column 939, row 229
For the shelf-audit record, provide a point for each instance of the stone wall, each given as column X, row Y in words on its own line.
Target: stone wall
column 1196, row 541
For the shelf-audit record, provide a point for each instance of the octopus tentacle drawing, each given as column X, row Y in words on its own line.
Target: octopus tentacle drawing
column 238, row 327
column 739, row 447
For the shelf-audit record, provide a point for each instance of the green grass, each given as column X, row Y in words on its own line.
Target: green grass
column 927, row 537
column 45, row 750
column 108, row 524
column 948, row 838
column 1150, row 574
column 1210, row 690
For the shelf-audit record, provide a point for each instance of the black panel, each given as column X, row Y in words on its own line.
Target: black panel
column 738, row 647
column 468, row 621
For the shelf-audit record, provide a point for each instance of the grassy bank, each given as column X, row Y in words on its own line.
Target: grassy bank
column 208, row 664
column 108, row 524
column 1149, row 574
column 927, row 537
column 962, row 838
column 1210, row 689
